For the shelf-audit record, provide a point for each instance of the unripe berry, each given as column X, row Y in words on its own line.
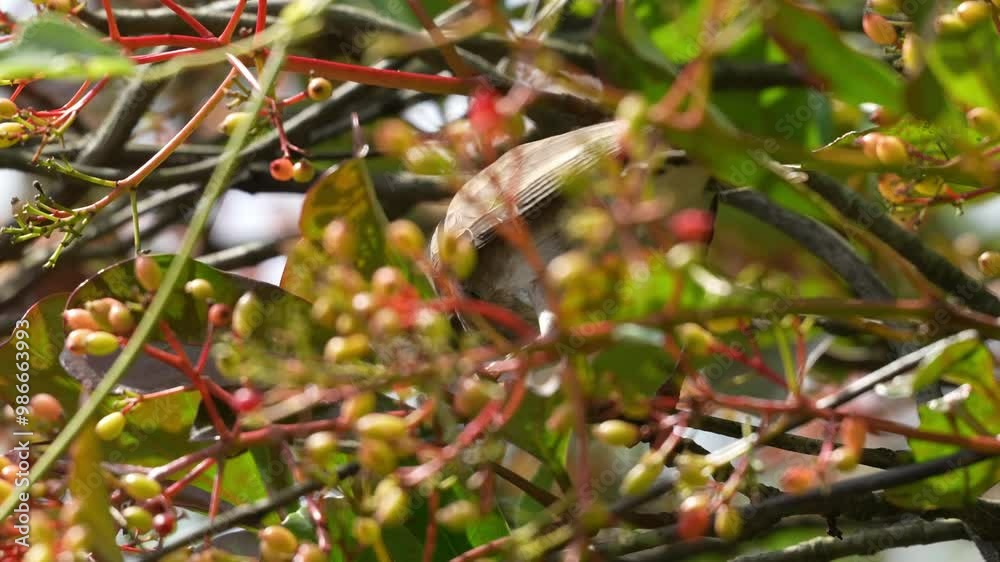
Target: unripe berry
column 845, row 459
column 641, row 476
column 458, row 515
column 568, row 272
column 76, row 341
column 984, row 121
column 339, row 240
column 377, row 456
column 693, row 517
column 989, row 263
column 616, row 433
column 473, row 394
column 220, row 315
column 46, row 407
column 140, row 487
column 433, row 326
column 319, row 89
column 429, row 159
column 358, row 405
column 694, row 470
column 853, row 432
column 309, row 553
column 911, row 55
column 120, row 318
column 303, row 171
column 693, row 225
column 878, row 29
column 248, row 314
column 278, row 539
column 320, row 446
column 394, row 136
column 695, row 339
column 891, row 151
column 11, row 133
column 281, row 169
column 78, row 318
column 8, row 108
column 138, row 519
column 591, row 226
column 405, row 238
column 885, row 7
column 381, row 426
column 799, row 479
column 728, row 522
column 973, row 12
column 200, row 289
column 100, row 343
column 950, row 25
column 387, row 281
column 6, row 489
column 458, row 253
column 148, row 273
column 392, row 506
column 366, row 531
column 868, row 142
column 341, row 349
column 595, row 517
column 232, row 121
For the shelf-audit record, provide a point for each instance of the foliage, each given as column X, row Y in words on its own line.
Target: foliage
column 752, row 246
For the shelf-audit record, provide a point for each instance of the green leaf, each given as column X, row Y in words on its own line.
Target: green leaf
column 44, row 339
column 965, row 361
column 87, row 486
column 809, row 38
column 637, row 361
column 959, row 487
column 965, row 65
column 50, row 46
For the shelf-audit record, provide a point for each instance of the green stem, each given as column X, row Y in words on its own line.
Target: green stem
column 135, row 221
column 214, row 189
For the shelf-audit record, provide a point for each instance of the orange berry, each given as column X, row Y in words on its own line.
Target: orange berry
column 282, row 169
column 878, row 29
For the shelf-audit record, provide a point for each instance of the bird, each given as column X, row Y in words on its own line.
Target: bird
column 526, row 182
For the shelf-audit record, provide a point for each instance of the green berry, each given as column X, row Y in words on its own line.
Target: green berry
column 339, row 240
column 320, row 446
column 950, row 25
column 366, row 531
column 891, row 151
column 110, row 426
column 885, row 7
column 303, row 171
column 381, row 426
column 989, row 263
column 278, row 539
column 140, row 487
column 200, row 289
column 568, row 272
column 984, row 121
column 11, row 133
column 319, row 89
column 309, row 553
column 357, row 405
column 458, row 515
column 973, row 12
column 641, row 476
column 616, row 433
column 120, row 318
column 248, row 314
column 392, row 506
column 458, row 253
column 352, row 347
column 405, row 238
column 138, row 519
column 473, row 394
column 728, row 522
column 695, row 339
column 232, row 121
column 100, row 343
column 377, row 456
column 429, row 159
column 8, row 108
column 394, row 136
column 148, row 273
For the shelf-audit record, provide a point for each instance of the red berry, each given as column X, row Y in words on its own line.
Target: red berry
column 282, row 169
column 798, row 479
column 164, row 523
column 878, row 29
column 693, row 225
column 148, row 273
column 852, row 434
column 46, row 407
column 246, row 399
column 693, row 517
column 483, row 114
column 220, row 315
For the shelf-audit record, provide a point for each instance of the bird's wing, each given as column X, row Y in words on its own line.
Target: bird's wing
column 526, row 178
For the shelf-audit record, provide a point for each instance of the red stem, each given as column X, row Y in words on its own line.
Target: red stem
column 396, row 79
column 234, row 22
column 188, row 18
column 188, row 478
column 160, row 57
column 261, row 15
column 169, row 40
column 112, row 22
column 430, row 540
